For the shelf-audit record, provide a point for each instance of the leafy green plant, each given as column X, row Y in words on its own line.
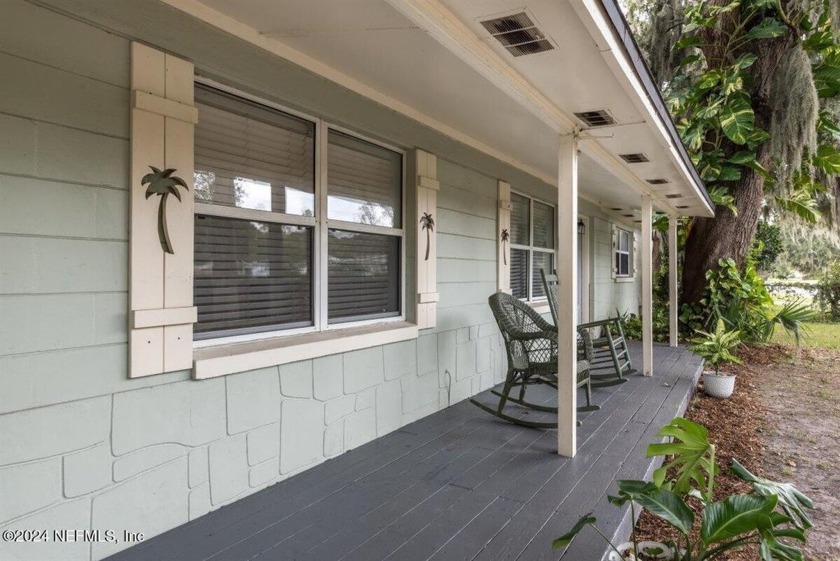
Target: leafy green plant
column 769, row 512
column 716, row 347
column 743, row 303
column 691, row 457
column 767, row 245
column 828, row 290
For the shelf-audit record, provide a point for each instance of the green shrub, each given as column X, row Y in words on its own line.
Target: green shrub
column 743, row 303
column 768, row 512
column 828, row 291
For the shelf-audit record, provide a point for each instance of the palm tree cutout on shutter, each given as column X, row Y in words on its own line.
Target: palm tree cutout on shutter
column 163, row 184
column 427, row 223
column 505, row 239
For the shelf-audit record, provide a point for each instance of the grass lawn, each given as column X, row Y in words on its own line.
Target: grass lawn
column 817, row 335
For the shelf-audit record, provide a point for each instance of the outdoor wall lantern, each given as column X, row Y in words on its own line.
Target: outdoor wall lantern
column 581, row 227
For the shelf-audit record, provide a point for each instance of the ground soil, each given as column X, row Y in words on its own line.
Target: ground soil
column 783, row 423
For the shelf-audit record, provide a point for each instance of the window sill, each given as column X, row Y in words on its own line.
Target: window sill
column 221, row 360
column 541, row 308
column 625, row 279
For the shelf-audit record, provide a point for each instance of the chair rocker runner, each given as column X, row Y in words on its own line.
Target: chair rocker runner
column 611, row 355
column 611, row 352
column 531, row 347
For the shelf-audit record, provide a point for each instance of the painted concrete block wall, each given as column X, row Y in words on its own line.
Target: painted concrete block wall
column 81, row 445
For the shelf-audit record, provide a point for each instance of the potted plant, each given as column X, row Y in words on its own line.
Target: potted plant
column 716, row 348
column 770, row 511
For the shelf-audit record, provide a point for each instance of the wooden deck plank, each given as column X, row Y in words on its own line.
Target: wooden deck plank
column 456, row 485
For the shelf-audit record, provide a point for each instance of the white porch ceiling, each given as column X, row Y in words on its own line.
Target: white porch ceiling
column 383, row 46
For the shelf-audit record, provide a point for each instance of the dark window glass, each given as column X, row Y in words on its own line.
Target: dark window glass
column 543, row 226
column 365, row 181
column 519, row 272
column 249, row 156
column 251, row 276
column 544, row 261
column 364, row 276
column 520, row 220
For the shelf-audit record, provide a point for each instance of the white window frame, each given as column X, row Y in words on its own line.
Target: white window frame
column 531, row 248
column 631, row 254
column 321, row 226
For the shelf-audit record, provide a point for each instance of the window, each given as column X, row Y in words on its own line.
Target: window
column 297, row 226
column 531, row 246
column 623, row 253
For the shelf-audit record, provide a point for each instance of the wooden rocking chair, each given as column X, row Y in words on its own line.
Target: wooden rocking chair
column 531, row 347
column 611, row 355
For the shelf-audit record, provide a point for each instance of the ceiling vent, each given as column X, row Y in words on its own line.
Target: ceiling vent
column 518, row 34
column 682, row 206
column 658, row 181
column 598, row 118
column 627, row 215
column 634, row 158
column 673, row 196
column 615, row 209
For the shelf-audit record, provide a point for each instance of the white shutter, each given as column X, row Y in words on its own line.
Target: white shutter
column 427, row 189
column 161, row 289
column 503, row 238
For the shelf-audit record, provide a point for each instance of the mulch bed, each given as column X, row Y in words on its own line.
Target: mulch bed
column 735, row 427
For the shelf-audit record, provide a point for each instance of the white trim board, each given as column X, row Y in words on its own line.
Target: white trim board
column 220, row 360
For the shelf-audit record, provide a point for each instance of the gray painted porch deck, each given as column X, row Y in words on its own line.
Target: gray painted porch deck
column 457, row 485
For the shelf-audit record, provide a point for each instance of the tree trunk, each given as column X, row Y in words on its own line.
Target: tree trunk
column 727, row 235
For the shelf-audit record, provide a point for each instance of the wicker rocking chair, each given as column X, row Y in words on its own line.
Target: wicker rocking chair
column 531, row 346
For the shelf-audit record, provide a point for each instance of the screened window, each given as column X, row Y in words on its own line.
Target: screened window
column 531, row 246
column 623, row 253
column 264, row 262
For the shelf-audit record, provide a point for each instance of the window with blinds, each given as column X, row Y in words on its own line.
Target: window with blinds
column 364, row 193
column 252, row 157
column 532, row 246
column 251, row 276
column 257, row 233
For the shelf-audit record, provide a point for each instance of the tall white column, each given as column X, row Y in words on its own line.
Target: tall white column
column 673, row 304
column 647, row 287
column 567, row 263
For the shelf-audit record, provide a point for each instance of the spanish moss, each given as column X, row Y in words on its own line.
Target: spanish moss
column 796, row 109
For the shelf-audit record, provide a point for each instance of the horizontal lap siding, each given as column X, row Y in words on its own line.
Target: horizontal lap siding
column 466, row 246
column 102, row 447
column 64, row 158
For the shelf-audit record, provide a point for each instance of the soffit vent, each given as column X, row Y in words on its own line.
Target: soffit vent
column 658, row 181
column 673, row 196
column 597, row 118
column 682, row 206
column 627, row 215
column 634, row 158
column 615, row 209
column 518, row 34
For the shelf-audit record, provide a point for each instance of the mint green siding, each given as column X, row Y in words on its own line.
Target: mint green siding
column 81, row 445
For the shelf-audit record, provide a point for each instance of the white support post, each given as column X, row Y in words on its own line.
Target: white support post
column 673, row 304
column 647, row 287
column 567, row 264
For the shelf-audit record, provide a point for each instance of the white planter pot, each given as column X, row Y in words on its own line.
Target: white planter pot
column 664, row 552
column 718, row 385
